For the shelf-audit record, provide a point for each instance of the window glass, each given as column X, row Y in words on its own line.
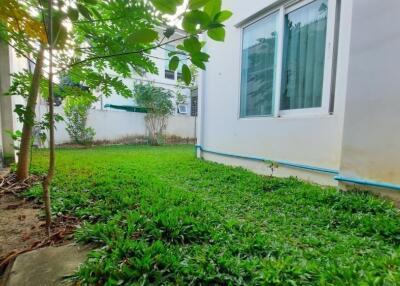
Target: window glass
column 168, row 74
column 259, row 67
column 304, row 56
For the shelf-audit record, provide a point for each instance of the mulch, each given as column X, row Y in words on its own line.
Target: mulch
column 10, row 184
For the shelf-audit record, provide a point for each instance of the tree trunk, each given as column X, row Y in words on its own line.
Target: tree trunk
column 29, row 119
column 51, row 170
column 50, row 173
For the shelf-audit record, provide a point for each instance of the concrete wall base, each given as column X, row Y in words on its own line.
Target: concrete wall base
column 393, row 196
column 262, row 168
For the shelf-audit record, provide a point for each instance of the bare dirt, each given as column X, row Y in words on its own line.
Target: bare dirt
column 23, row 229
column 20, row 225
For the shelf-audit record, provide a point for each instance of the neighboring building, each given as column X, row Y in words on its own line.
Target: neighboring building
column 312, row 85
column 165, row 78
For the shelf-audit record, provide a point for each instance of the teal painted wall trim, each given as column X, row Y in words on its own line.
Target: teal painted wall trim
column 280, row 162
column 367, row 183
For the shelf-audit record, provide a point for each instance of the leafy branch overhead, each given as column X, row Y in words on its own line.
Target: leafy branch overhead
column 115, row 36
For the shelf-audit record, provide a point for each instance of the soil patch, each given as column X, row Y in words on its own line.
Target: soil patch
column 19, row 224
column 23, row 228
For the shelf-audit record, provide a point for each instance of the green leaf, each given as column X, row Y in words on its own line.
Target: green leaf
column 165, row 6
column 186, row 74
column 199, row 58
column 60, row 33
column 90, row 1
column 215, row 25
column 217, row 34
column 180, row 47
column 60, row 36
column 198, row 63
column 197, row 4
column 84, row 11
column 73, row 14
column 223, row 16
column 174, row 63
column 173, row 53
column 96, row 13
column 192, row 45
column 144, row 36
column 213, row 7
column 194, row 19
column 169, row 32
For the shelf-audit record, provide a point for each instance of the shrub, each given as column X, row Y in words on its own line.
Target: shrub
column 76, row 112
column 158, row 102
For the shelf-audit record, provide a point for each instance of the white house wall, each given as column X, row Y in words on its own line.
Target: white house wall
column 4, row 85
column 9, row 64
column 371, row 143
column 305, row 139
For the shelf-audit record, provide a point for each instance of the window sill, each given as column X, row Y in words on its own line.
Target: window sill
column 289, row 116
column 256, row 117
column 305, row 115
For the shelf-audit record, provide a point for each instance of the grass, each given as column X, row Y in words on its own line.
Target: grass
column 162, row 217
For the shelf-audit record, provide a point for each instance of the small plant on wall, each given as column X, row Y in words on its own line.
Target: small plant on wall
column 159, row 106
column 76, row 111
column 272, row 165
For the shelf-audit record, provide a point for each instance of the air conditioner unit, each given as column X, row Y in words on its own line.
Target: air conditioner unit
column 183, row 109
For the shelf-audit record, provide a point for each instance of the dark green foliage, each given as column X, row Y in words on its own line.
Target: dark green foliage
column 158, row 103
column 20, row 86
column 76, row 110
column 162, row 217
column 174, row 63
column 186, row 74
column 155, row 99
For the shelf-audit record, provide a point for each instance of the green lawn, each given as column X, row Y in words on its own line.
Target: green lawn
column 160, row 216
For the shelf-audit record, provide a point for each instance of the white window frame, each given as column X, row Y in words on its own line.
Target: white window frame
column 283, row 10
column 248, row 24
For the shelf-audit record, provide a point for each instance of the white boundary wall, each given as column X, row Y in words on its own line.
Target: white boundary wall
column 115, row 125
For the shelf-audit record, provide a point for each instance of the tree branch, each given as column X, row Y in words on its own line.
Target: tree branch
column 122, row 54
column 98, row 20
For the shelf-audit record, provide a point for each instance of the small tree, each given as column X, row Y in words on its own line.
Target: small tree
column 76, row 111
column 180, row 97
column 158, row 102
column 103, row 36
